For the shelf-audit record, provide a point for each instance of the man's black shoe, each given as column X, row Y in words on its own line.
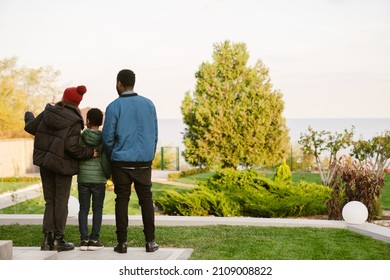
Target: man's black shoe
column 60, row 244
column 151, row 246
column 121, row 248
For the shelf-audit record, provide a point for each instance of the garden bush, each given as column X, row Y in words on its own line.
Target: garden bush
column 247, row 193
column 201, row 202
column 355, row 181
column 283, row 173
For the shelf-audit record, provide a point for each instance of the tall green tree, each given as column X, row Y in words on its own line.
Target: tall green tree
column 22, row 89
column 234, row 116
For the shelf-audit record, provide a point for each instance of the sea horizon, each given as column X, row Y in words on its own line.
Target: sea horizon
column 171, row 129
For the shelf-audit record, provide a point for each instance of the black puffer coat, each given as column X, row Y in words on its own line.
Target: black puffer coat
column 57, row 131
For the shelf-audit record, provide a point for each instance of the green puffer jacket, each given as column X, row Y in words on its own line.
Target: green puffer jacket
column 95, row 170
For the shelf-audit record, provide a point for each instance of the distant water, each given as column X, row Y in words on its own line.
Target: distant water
column 364, row 128
column 170, row 130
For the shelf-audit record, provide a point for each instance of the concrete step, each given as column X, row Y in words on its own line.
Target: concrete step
column 106, row 253
column 5, row 249
column 33, row 253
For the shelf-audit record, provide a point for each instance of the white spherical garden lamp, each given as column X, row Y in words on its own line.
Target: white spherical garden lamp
column 355, row 213
column 73, row 207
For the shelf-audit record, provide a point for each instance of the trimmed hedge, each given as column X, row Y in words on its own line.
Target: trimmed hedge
column 247, row 193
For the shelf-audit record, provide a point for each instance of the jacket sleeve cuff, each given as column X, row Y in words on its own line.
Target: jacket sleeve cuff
column 28, row 116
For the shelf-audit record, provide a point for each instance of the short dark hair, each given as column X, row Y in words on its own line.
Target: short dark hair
column 126, row 77
column 95, row 117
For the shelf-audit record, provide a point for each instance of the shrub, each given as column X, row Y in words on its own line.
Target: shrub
column 283, row 173
column 355, row 181
column 198, row 202
column 247, row 193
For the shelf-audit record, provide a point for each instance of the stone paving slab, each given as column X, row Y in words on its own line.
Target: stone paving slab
column 136, row 220
column 372, row 230
column 32, row 253
column 107, row 253
column 5, row 249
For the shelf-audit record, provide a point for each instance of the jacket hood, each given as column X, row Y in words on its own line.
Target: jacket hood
column 61, row 116
column 91, row 138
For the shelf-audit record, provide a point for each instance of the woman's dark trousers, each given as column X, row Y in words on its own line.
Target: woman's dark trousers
column 56, row 190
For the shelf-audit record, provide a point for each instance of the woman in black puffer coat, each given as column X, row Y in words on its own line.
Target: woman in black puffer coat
column 57, row 151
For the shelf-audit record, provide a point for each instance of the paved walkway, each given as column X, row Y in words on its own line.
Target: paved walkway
column 34, row 253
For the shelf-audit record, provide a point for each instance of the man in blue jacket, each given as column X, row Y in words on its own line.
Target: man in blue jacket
column 130, row 139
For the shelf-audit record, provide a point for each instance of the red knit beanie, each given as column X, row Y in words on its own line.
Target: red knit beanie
column 74, row 95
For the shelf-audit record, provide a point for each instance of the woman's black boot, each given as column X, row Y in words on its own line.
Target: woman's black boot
column 47, row 242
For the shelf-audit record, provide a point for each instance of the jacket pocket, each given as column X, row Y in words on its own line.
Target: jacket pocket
column 53, row 163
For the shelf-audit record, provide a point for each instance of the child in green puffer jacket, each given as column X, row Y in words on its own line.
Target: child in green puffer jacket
column 92, row 179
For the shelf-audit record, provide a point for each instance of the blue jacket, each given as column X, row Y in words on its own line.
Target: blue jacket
column 130, row 131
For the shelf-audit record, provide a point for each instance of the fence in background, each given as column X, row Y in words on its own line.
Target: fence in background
column 16, row 157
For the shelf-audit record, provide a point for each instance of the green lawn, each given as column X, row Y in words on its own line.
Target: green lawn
column 193, row 179
column 234, row 242
column 385, row 197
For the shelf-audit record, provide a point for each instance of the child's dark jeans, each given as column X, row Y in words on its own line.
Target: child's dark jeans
column 97, row 192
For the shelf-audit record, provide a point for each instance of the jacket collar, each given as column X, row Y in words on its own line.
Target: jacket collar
column 128, row 93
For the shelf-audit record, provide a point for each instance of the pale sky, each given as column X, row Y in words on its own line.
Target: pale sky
column 329, row 58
